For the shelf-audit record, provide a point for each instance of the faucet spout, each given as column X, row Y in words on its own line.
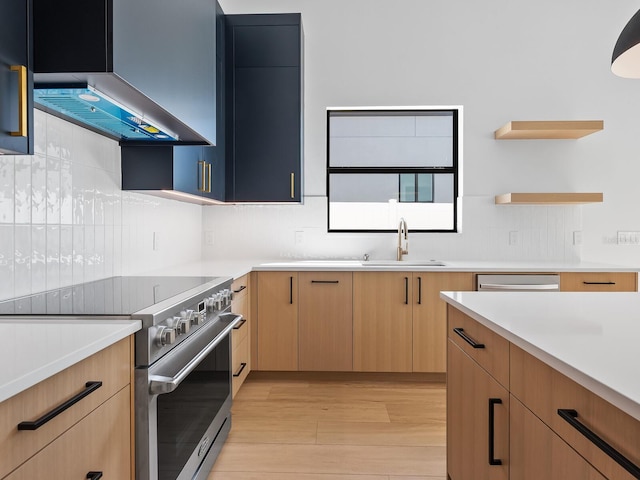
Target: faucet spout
column 403, row 234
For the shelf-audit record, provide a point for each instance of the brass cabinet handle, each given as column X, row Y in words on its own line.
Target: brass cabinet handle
column 201, row 181
column 293, row 185
column 208, row 189
column 22, row 100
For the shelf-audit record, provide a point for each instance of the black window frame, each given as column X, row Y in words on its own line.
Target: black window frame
column 453, row 169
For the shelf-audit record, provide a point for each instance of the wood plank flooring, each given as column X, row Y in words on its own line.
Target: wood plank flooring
column 335, row 427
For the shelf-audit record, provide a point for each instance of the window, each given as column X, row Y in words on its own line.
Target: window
column 387, row 164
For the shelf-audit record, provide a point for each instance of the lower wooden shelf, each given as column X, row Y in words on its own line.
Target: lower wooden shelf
column 548, row 198
column 548, row 130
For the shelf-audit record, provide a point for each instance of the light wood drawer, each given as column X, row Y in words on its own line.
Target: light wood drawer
column 112, row 366
column 240, row 364
column 239, row 332
column 240, row 287
column 599, row 282
column 491, row 351
column 536, row 452
column 98, row 443
column 530, row 378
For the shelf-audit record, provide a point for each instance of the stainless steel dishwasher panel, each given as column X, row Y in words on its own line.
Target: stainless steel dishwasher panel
column 518, row 283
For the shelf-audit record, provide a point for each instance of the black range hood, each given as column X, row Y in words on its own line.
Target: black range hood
column 150, row 63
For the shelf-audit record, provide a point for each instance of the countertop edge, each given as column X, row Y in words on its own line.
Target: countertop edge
column 24, row 382
column 620, row 401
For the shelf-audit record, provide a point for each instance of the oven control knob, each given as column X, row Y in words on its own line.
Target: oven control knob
column 220, row 301
column 198, row 318
column 165, row 336
column 183, row 326
column 187, row 314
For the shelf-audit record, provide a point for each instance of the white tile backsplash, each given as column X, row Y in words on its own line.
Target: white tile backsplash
column 64, row 218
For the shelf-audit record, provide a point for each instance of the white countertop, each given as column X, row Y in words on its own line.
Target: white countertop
column 34, row 350
column 237, row 268
column 592, row 338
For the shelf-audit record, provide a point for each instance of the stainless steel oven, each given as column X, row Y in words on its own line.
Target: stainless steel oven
column 182, row 361
column 183, row 406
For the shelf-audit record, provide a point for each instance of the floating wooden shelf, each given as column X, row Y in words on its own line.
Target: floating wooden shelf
column 548, row 198
column 554, row 130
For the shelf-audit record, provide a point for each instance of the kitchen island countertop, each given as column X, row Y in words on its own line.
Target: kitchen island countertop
column 591, row 338
column 34, row 350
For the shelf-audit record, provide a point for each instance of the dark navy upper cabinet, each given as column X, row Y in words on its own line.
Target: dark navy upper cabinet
column 189, row 173
column 16, row 77
column 264, row 107
column 156, row 57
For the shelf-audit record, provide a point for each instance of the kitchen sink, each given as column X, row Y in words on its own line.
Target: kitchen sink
column 399, row 263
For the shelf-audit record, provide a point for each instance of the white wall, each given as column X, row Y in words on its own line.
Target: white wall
column 64, row 218
column 502, row 60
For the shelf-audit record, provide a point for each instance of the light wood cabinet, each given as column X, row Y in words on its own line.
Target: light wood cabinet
column 557, row 429
column 430, row 317
column 599, row 282
column 325, row 321
column 382, row 322
column 544, row 391
column 241, row 334
column 98, row 443
column 107, row 443
column 477, row 420
column 537, row 452
column 277, row 321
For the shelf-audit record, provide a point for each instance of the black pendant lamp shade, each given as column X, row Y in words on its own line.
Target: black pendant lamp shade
column 625, row 61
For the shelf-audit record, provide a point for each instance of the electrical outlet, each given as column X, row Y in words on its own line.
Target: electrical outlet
column 577, row 238
column 514, row 238
column 628, row 238
column 299, row 237
column 209, row 238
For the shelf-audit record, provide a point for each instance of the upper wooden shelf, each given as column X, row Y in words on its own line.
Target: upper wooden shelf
column 548, row 198
column 553, row 130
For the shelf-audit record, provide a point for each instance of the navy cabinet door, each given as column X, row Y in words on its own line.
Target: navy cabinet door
column 190, row 171
column 264, row 100
column 16, row 77
column 266, row 135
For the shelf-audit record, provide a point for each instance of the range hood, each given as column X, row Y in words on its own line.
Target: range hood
column 151, row 64
column 87, row 106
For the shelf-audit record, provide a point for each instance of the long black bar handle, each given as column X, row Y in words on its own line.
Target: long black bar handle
column 242, row 287
column 290, row 290
column 240, row 323
column 467, row 338
column 571, row 417
column 94, row 475
column 89, row 388
column 599, row 283
column 419, row 290
column 239, row 372
column 406, row 290
column 325, row 281
column 492, row 403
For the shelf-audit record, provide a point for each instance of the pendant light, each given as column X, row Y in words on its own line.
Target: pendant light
column 625, row 61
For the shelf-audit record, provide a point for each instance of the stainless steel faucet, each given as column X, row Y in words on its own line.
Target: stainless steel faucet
column 402, row 233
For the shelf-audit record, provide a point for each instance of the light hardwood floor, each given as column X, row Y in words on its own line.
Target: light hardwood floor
column 335, row 427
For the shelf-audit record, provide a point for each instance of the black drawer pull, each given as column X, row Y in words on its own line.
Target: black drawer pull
column 239, row 372
column 406, row 290
column 94, row 475
column 599, row 283
column 290, row 290
column 419, row 290
column 325, row 281
column 492, row 403
column 240, row 323
column 89, row 388
column 240, row 289
column 571, row 417
column 468, row 339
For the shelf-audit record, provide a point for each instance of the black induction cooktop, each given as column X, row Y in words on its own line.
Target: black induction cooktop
column 113, row 296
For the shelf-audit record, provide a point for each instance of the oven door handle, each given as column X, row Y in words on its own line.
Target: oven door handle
column 159, row 384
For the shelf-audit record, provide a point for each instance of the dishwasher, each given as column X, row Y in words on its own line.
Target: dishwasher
column 518, row 283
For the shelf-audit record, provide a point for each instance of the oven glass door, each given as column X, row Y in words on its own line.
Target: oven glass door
column 184, row 415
